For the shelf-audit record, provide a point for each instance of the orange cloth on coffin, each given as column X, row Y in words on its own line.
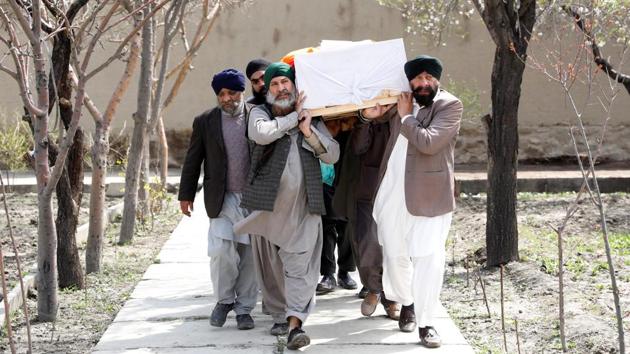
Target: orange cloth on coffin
column 290, row 57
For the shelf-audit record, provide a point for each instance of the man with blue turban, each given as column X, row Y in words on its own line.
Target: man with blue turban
column 285, row 196
column 219, row 143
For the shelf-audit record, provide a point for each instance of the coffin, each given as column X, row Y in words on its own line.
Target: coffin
column 343, row 77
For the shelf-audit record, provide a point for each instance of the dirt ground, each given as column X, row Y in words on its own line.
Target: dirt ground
column 83, row 315
column 531, row 285
column 23, row 214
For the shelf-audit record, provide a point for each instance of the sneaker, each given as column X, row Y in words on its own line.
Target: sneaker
column 219, row 314
column 429, row 337
column 326, row 285
column 244, row 321
column 279, row 329
column 297, row 339
column 345, row 281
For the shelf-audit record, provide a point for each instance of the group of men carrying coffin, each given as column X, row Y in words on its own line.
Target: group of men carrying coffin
column 266, row 163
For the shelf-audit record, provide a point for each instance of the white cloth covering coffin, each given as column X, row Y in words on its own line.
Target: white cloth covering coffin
column 351, row 73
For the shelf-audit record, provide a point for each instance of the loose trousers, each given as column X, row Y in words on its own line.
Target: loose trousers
column 287, row 280
column 413, row 265
column 233, row 276
column 368, row 250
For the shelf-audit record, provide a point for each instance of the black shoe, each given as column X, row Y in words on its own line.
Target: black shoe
column 345, row 281
column 219, row 314
column 429, row 337
column 297, row 339
column 392, row 308
column 407, row 320
column 363, row 293
column 279, row 329
column 244, row 321
column 326, row 285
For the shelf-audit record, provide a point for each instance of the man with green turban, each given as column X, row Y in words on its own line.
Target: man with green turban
column 285, row 197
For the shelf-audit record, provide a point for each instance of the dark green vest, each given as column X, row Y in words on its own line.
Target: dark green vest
column 268, row 163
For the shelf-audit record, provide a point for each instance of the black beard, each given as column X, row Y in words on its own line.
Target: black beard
column 259, row 97
column 424, row 100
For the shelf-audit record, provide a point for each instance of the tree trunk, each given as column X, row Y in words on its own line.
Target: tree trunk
column 69, row 190
column 96, row 231
column 163, row 151
column 46, row 261
column 501, row 227
column 145, row 179
column 69, row 194
column 134, row 162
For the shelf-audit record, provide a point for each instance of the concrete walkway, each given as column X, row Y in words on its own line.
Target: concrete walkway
column 169, row 309
column 469, row 179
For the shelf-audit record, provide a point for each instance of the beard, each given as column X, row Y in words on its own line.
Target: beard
column 260, row 96
column 424, row 99
column 231, row 107
column 282, row 106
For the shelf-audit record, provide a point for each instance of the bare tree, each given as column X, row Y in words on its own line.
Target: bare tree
column 174, row 22
column 132, row 175
column 570, row 66
column 100, row 149
column 30, row 24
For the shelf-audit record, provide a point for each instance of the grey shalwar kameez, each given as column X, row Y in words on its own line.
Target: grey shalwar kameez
column 287, row 241
column 231, row 262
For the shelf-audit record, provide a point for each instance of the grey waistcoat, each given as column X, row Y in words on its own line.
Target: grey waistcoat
column 268, row 163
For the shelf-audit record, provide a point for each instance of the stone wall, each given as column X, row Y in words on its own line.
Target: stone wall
column 544, row 143
column 540, row 143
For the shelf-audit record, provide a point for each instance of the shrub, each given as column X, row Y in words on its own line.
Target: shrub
column 15, row 143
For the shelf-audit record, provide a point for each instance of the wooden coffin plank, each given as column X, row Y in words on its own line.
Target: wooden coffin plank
column 333, row 112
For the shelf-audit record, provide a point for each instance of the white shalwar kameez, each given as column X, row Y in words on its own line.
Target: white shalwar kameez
column 414, row 253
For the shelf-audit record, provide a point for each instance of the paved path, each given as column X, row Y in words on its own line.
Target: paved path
column 169, row 309
column 469, row 179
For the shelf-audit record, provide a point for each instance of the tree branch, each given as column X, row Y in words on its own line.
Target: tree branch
column 602, row 63
column 24, row 24
column 185, row 64
column 20, row 68
column 122, row 45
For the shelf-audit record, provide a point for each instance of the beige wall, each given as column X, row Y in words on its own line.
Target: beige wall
column 271, row 28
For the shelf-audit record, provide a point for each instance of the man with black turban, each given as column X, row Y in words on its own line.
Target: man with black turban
column 414, row 204
column 284, row 194
column 255, row 72
column 219, row 142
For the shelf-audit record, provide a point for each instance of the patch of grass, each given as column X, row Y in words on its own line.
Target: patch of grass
column 577, row 266
column 542, row 196
column 620, row 243
column 599, row 267
column 549, row 265
column 15, row 142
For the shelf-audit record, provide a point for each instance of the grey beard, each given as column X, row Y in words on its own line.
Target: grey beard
column 234, row 108
column 282, row 104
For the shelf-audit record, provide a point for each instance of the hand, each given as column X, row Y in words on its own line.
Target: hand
column 405, row 104
column 375, row 112
column 299, row 102
column 304, row 117
column 186, row 206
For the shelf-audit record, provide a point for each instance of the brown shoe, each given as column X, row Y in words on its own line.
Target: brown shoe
column 407, row 320
column 392, row 309
column 368, row 306
column 429, row 337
